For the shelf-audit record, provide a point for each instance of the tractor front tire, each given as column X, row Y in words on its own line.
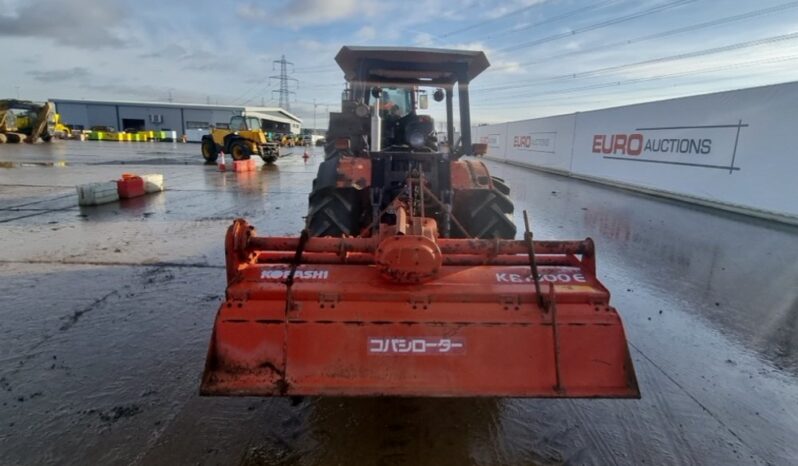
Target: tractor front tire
column 209, row 152
column 240, row 150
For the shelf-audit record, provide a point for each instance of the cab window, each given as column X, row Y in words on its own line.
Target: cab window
column 237, row 123
column 395, row 101
column 253, row 123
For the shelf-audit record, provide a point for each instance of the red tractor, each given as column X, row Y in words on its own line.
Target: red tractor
column 407, row 280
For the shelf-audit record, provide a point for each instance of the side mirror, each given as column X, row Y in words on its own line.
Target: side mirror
column 423, row 101
column 438, row 95
column 376, row 92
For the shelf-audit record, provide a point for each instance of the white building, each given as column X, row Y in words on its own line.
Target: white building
column 168, row 116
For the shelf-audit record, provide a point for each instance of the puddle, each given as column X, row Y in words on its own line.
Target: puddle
column 57, row 164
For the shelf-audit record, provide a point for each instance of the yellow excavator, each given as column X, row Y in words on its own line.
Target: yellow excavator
column 23, row 120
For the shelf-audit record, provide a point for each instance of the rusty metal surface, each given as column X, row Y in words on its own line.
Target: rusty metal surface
column 294, row 329
column 354, row 172
column 481, row 247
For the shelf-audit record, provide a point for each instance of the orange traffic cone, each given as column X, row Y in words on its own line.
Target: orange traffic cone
column 220, row 162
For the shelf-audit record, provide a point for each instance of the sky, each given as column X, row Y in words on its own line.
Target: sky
column 547, row 57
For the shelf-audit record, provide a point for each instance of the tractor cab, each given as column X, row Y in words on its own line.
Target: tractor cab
column 245, row 123
column 383, row 145
column 394, row 84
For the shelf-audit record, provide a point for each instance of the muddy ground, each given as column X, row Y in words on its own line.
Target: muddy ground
column 106, row 313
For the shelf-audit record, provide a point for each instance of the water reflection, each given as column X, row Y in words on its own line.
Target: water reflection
column 383, row 431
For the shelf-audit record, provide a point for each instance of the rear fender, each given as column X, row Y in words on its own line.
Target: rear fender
column 341, row 171
column 219, row 135
column 470, row 174
column 353, row 172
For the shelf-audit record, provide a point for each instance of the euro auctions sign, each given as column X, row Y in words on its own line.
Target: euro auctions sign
column 704, row 146
column 536, row 142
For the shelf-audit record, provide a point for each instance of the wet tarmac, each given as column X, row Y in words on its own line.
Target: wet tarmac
column 106, row 314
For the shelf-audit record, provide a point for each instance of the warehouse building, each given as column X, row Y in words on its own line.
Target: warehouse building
column 167, row 116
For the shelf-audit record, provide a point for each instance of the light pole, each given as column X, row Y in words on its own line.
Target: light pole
column 326, row 106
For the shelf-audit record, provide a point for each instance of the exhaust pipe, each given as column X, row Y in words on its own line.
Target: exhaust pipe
column 376, row 127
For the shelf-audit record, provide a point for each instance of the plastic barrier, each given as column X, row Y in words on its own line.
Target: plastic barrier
column 97, row 193
column 130, row 186
column 153, row 182
column 245, row 165
column 731, row 150
column 140, row 136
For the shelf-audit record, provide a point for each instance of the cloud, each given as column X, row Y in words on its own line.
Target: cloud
column 366, row 33
column 79, row 23
column 60, row 75
column 170, row 51
column 424, row 39
column 300, row 13
column 311, row 45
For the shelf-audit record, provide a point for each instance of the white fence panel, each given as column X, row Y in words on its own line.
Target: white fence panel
column 732, row 148
column 495, row 136
column 543, row 142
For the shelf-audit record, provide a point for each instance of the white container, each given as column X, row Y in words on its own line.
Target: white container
column 153, row 183
column 97, row 193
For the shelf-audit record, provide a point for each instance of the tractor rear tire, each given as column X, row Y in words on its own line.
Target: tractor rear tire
column 335, row 212
column 240, row 150
column 209, row 152
column 485, row 213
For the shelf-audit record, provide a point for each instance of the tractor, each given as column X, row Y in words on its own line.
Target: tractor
column 244, row 138
column 380, row 131
column 407, row 279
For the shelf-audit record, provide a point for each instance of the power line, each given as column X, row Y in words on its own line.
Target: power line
column 245, row 93
column 732, row 66
column 317, row 68
column 681, row 56
column 553, row 19
column 659, row 35
column 600, row 25
column 306, row 84
column 255, row 95
column 492, row 20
